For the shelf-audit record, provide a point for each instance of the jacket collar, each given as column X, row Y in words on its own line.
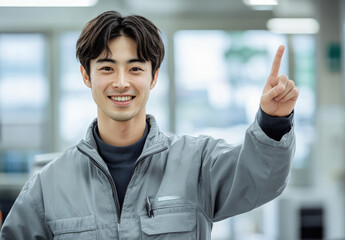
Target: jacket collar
column 155, row 141
column 154, row 136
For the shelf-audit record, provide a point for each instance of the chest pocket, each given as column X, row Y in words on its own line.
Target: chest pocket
column 171, row 226
column 74, row 228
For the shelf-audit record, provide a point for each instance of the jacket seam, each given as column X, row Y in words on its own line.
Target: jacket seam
column 35, row 205
column 272, row 166
column 208, row 194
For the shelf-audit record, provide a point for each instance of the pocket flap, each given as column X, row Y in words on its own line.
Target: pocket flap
column 168, row 223
column 75, row 224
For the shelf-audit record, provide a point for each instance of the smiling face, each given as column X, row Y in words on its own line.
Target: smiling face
column 120, row 82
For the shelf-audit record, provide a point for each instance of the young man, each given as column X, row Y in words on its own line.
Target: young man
column 127, row 180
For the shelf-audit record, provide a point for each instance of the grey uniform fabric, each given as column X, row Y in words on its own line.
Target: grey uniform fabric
column 189, row 182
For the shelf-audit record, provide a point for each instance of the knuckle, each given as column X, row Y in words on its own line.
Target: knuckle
column 284, row 78
column 296, row 91
column 291, row 83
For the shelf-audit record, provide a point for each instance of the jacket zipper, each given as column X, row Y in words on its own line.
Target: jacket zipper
column 110, row 179
column 142, row 158
column 113, row 187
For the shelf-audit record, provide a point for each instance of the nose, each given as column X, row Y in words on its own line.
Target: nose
column 120, row 82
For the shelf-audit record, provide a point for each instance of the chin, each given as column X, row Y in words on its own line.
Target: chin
column 122, row 117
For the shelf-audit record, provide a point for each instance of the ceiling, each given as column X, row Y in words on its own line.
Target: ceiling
column 15, row 19
column 236, row 7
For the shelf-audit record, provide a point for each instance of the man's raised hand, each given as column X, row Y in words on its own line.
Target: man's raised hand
column 280, row 94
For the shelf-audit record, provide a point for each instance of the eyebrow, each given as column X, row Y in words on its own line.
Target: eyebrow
column 110, row 60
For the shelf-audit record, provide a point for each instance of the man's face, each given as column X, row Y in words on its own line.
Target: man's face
column 120, row 82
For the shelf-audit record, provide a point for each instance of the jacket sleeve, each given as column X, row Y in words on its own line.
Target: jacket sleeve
column 26, row 218
column 238, row 179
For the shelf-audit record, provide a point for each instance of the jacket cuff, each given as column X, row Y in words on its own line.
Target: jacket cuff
column 275, row 127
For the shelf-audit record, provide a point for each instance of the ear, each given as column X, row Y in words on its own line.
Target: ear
column 154, row 80
column 85, row 76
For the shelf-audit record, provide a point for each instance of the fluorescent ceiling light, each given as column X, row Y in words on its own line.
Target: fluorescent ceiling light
column 293, row 25
column 47, row 3
column 261, row 2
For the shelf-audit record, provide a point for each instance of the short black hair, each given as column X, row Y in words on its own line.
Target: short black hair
column 97, row 33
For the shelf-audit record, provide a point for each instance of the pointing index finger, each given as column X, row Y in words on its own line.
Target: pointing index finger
column 277, row 61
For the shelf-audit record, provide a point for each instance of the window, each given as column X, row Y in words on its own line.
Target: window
column 23, row 99
column 304, row 76
column 220, row 76
column 76, row 106
column 158, row 103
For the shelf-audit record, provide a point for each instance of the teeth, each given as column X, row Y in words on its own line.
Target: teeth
column 121, row 99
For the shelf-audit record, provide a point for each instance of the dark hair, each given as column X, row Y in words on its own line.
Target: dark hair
column 97, row 33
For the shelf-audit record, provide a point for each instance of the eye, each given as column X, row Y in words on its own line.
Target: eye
column 135, row 69
column 107, row 69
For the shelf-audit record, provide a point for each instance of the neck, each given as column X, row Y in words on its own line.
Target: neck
column 121, row 133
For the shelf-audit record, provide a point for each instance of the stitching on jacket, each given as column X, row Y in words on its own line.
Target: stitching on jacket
column 272, row 166
column 35, row 205
column 208, row 193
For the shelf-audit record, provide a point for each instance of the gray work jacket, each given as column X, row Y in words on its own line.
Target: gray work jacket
column 179, row 187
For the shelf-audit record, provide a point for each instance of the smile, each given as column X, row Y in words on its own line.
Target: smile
column 122, row 99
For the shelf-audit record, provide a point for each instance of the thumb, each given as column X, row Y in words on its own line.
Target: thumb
column 274, row 92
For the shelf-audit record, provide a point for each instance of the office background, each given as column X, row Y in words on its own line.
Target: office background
column 218, row 56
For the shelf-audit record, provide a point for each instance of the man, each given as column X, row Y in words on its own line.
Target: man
column 127, row 180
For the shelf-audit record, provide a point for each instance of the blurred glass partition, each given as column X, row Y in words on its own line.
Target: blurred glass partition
column 220, row 76
column 158, row 103
column 24, row 91
column 76, row 106
column 304, row 68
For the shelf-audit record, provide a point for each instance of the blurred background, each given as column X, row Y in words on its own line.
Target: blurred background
column 218, row 56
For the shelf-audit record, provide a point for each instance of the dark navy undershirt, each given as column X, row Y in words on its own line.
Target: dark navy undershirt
column 275, row 127
column 120, row 160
